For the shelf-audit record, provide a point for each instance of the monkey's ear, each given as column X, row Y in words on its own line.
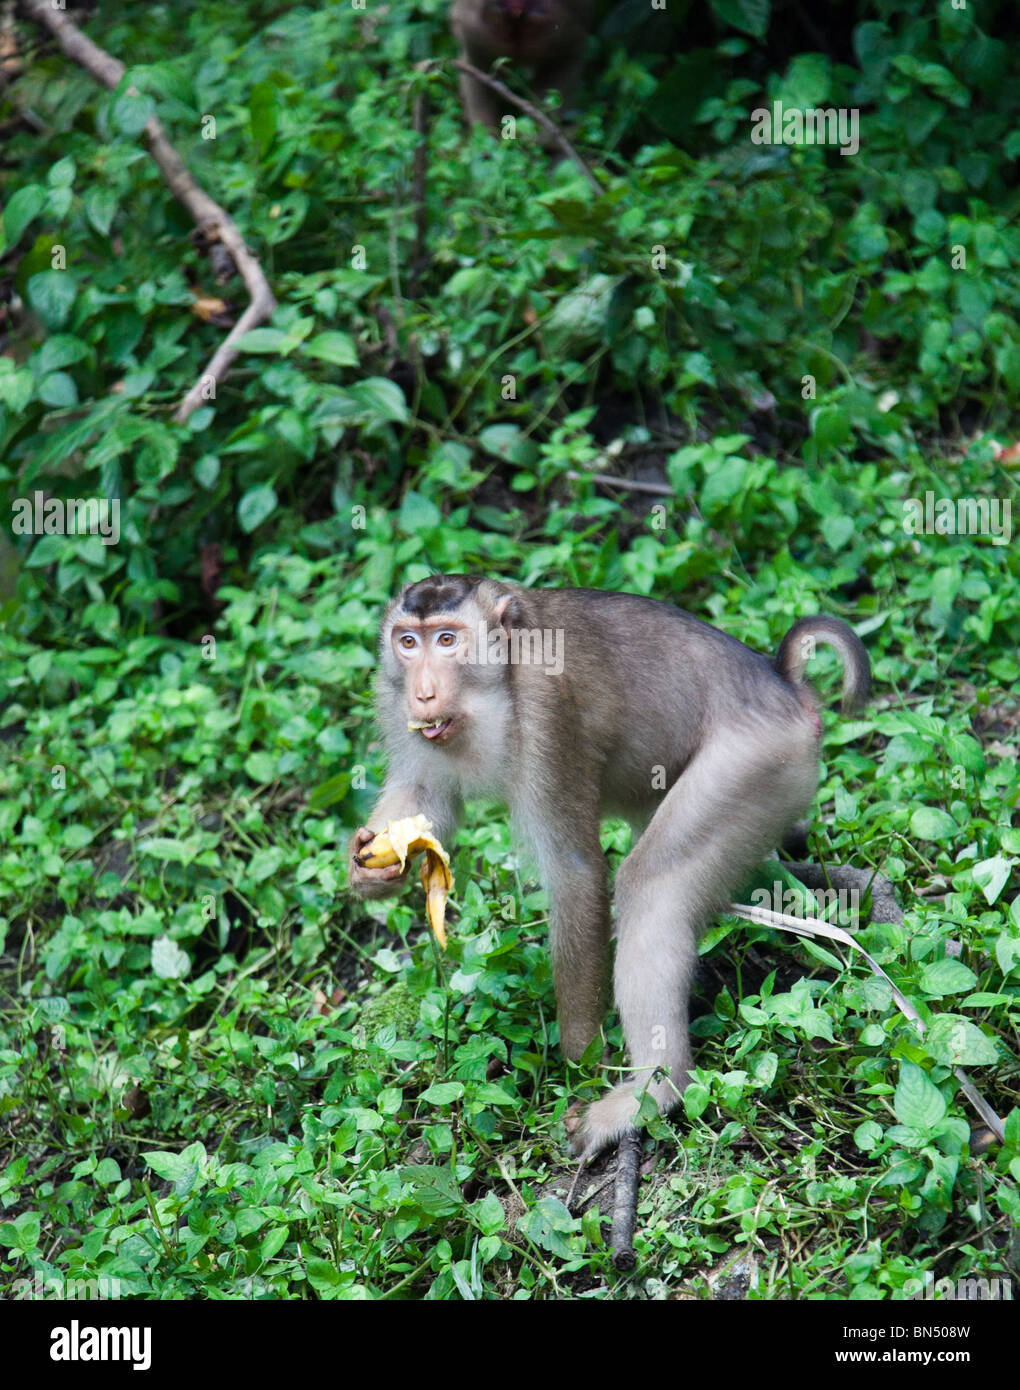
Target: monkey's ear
column 506, row 609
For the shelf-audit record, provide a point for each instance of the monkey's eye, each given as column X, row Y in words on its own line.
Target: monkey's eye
column 447, row 639
column 408, row 641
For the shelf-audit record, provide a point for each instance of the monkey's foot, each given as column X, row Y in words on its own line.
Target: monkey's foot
column 605, row 1122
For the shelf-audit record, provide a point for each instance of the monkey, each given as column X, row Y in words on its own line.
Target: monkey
column 569, row 705
column 548, row 36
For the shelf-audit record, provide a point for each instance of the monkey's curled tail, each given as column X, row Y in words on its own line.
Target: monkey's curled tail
column 798, row 646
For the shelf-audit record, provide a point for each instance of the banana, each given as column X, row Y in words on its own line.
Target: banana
column 401, row 840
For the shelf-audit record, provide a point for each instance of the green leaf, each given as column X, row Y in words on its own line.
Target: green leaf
column 16, row 388
column 58, row 389
column 61, row 350
column 830, row 425
column 868, row 1136
column 955, row 1041
column 749, row 16
column 21, row 208
column 52, row 294
column 490, row 1094
column 379, row 400
column 837, row 530
column 329, row 792
column 256, row 506
column 182, row 1169
column 266, row 340
column 169, row 962
column 918, row 1102
column 207, row 471
column 61, row 174
column 22, row 1233
column 947, row 976
column 723, row 484
column 265, row 863
column 696, row 1099
column 992, row 875
column 907, row 748
column 417, row 514
column 163, row 847
column 337, row 348
column 1007, row 953
column 262, row 104
column 550, row 1226
column 489, row 1214
column 323, row 1276
column 107, row 1171
column 100, row 206
column 508, row 442
column 274, row 1242
column 928, row 823
column 131, row 110
column 260, row 766
column 38, row 665
column 443, row 1092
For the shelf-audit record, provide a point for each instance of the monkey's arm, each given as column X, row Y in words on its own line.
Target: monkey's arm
column 439, row 804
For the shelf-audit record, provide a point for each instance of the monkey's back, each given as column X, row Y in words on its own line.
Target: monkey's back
column 636, row 719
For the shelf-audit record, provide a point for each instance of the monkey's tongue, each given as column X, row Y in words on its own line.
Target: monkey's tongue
column 434, row 730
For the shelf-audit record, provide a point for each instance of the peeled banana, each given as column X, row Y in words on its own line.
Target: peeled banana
column 401, row 840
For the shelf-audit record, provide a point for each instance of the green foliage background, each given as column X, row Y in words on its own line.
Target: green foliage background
column 333, row 1112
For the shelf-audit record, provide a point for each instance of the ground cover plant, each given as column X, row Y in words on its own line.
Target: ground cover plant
column 222, row 1078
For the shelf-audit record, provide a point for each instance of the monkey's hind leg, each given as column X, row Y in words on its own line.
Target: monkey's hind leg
column 481, row 104
column 717, row 822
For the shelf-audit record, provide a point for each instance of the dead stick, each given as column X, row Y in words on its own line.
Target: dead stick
column 633, row 484
column 536, row 114
column 628, row 1169
column 217, row 224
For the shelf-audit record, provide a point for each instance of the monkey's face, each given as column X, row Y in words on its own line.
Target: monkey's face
column 521, row 23
column 429, row 655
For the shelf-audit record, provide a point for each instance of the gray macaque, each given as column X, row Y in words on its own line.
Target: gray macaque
column 547, row 37
column 569, row 705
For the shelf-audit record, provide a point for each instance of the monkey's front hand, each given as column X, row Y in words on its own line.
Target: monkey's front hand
column 372, row 883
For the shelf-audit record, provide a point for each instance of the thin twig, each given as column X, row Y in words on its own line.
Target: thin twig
column 214, row 222
column 535, row 112
column 632, row 484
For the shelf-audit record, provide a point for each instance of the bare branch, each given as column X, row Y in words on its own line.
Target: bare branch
column 631, row 484
column 628, row 1169
column 214, row 222
column 536, row 113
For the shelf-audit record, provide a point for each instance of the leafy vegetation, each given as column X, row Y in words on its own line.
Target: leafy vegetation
column 219, row 1077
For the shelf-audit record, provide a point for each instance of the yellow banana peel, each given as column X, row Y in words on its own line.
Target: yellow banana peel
column 403, row 839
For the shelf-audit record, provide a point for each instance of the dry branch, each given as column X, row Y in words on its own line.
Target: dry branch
column 536, row 113
column 632, row 484
column 628, row 1169
column 214, row 223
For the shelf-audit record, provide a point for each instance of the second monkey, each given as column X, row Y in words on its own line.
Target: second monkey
column 546, row 36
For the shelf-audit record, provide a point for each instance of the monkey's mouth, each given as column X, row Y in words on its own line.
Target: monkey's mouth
column 431, row 728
